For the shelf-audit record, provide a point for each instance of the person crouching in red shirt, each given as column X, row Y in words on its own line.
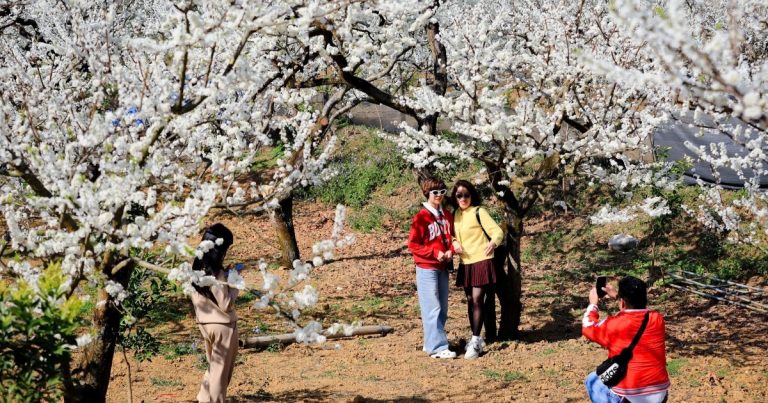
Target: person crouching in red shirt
column 646, row 380
column 430, row 243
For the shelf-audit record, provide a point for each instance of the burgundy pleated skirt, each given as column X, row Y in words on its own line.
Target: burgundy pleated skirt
column 476, row 274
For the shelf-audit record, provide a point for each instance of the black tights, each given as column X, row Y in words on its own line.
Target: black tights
column 476, row 305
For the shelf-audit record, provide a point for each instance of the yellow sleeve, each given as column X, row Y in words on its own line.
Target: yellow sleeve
column 456, row 223
column 490, row 226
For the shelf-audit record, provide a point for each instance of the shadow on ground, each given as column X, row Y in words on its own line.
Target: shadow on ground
column 698, row 327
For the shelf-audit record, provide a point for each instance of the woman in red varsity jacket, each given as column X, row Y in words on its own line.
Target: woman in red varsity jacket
column 430, row 243
column 646, row 380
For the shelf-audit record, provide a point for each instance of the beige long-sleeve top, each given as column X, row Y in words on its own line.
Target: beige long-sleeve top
column 222, row 311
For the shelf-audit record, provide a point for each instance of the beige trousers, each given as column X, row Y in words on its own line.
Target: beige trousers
column 220, row 351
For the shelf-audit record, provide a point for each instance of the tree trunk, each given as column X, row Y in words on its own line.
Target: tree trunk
column 93, row 366
column 509, row 284
column 282, row 221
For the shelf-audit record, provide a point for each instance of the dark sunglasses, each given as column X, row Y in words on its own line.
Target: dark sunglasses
column 438, row 192
column 463, row 196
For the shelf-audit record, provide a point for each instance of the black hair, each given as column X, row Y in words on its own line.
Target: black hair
column 634, row 292
column 212, row 262
column 474, row 200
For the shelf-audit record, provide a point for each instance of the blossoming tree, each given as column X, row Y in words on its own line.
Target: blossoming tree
column 511, row 81
column 123, row 124
column 708, row 68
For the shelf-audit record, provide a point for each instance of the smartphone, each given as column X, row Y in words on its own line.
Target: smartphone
column 239, row 266
column 599, row 284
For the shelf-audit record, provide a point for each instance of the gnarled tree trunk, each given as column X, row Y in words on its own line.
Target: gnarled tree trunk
column 92, row 367
column 509, row 287
column 282, row 221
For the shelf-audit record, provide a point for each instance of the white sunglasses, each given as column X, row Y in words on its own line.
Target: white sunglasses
column 438, row 192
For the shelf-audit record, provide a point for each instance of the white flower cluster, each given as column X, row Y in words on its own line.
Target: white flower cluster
column 609, row 215
column 84, row 340
column 311, row 333
column 306, row 297
column 115, row 290
column 652, row 206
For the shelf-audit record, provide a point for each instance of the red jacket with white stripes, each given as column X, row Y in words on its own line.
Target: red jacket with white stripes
column 429, row 236
column 647, row 370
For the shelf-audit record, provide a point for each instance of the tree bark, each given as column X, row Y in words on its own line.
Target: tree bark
column 510, row 280
column 93, row 366
column 282, row 221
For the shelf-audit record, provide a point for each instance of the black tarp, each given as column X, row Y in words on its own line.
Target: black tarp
column 675, row 132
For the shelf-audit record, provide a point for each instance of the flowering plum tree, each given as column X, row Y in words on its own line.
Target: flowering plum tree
column 122, row 124
column 511, row 81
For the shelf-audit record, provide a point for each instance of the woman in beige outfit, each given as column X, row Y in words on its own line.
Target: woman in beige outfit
column 216, row 317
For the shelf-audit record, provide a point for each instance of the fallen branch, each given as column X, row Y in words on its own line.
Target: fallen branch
column 288, row 338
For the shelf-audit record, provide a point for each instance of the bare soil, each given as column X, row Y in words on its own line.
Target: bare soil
column 715, row 352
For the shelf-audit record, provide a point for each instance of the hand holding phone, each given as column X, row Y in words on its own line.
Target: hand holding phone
column 600, row 284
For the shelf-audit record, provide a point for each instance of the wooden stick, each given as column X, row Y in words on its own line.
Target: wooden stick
column 703, row 294
column 722, row 291
column 288, row 338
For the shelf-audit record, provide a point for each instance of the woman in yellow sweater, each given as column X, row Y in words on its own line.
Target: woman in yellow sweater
column 477, row 236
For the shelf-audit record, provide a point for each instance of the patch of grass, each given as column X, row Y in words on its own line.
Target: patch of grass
column 367, row 306
column 202, row 362
column 506, row 376
column 364, row 164
column 175, row 309
column 694, row 383
column 86, row 309
column 162, row 382
column 261, row 327
column 176, row 350
column 268, row 158
column 274, row 347
column 246, row 297
column 329, row 374
column 398, row 302
column 373, row 217
column 538, row 287
column 545, row 245
column 548, row 351
column 675, row 365
column 723, row 372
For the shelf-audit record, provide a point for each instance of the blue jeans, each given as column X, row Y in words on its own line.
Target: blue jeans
column 432, row 287
column 598, row 392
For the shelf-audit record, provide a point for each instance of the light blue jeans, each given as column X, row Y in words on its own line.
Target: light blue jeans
column 432, row 287
column 598, row 392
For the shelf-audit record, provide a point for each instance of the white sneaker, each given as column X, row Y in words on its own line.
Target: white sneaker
column 473, row 350
column 481, row 341
column 444, row 354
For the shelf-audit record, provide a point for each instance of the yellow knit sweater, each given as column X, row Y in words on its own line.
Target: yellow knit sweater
column 470, row 234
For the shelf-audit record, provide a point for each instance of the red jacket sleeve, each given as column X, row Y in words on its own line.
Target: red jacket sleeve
column 594, row 329
column 417, row 238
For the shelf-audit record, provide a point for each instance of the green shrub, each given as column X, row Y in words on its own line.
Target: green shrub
column 37, row 333
column 147, row 306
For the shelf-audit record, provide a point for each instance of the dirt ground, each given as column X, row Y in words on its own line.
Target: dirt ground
column 715, row 352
